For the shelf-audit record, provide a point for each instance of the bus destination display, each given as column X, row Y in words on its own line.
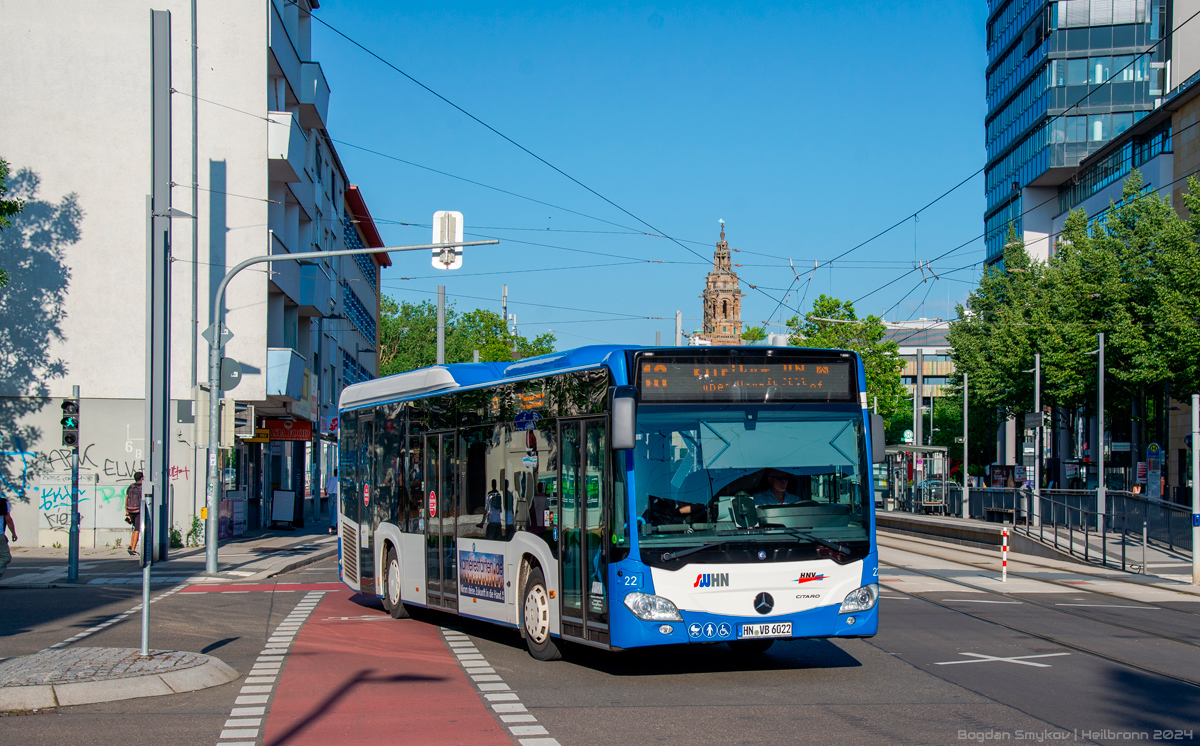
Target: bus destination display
column 757, row 381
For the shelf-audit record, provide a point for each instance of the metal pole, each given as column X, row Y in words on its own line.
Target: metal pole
column 966, row 490
column 1036, row 508
column 441, row 325
column 1144, row 532
column 214, row 367
column 158, row 383
column 919, row 400
column 875, row 406
column 144, row 523
column 1196, row 489
column 1101, row 492
column 679, row 328
column 73, row 538
column 658, row 339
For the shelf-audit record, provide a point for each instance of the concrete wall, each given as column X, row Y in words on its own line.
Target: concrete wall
column 1186, row 144
column 1185, row 42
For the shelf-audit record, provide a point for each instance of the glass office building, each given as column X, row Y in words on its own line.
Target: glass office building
column 1063, row 78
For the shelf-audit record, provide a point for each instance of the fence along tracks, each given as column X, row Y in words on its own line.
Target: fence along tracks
column 989, row 560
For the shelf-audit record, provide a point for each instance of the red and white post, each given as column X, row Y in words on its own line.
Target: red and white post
column 1004, row 556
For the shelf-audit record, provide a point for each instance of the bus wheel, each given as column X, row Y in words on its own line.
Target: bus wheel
column 750, row 647
column 536, row 618
column 391, row 586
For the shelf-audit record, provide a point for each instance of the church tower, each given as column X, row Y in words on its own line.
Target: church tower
column 722, row 299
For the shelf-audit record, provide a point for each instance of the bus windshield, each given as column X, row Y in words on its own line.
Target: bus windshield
column 751, row 478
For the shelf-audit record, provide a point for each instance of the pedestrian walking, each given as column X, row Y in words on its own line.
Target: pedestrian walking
column 5, row 555
column 133, row 509
column 331, row 491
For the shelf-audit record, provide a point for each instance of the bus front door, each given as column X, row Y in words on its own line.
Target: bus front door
column 441, row 561
column 582, row 557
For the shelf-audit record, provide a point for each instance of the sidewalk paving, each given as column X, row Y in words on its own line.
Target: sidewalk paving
column 250, row 558
column 77, row 676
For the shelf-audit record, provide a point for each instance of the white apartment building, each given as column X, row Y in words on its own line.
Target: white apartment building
column 249, row 108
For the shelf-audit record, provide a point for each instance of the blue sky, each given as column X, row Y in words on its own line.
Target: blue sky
column 808, row 127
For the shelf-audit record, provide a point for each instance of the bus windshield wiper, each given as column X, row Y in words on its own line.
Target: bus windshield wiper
column 839, row 548
column 668, row 556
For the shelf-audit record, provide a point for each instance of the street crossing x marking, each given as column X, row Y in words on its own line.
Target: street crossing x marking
column 1018, row 659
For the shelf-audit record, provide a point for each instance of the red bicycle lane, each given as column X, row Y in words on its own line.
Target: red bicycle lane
column 356, row 673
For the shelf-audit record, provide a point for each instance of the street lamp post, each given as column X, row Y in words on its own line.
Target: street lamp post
column 214, row 368
column 1035, row 512
column 1101, row 493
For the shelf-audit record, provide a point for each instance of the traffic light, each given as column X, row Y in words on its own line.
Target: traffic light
column 70, row 423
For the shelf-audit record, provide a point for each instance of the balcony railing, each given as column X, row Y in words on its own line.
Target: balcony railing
column 314, row 96
column 286, row 145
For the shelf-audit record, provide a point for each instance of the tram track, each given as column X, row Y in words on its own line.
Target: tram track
column 1048, row 638
column 1057, row 640
column 1049, row 581
column 1031, row 602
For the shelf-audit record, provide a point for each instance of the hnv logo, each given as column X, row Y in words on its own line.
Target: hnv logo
column 712, row 580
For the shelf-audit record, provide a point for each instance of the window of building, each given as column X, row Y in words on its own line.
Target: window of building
column 1121, row 122
column 1077, row 71
column 1100, row 69
column 1099, row 127
column 320, row 164
column 1076, row 129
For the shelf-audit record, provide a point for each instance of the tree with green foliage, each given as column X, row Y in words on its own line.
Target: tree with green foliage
column 8, row 208
column 1133, row 273
column 752, row 334
column 833, row 324
column 408, row 337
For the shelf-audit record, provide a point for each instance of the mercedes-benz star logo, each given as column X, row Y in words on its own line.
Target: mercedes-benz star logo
column 763, row 603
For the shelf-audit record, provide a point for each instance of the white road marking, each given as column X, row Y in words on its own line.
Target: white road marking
column 1111, row 606
column 1018, row 659
column 259, row 684
column 978, row 601
column 505, row 704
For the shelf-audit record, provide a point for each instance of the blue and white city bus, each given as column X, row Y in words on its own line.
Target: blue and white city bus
column 619, row 497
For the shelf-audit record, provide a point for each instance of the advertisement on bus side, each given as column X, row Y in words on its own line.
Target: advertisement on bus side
column 481, row 575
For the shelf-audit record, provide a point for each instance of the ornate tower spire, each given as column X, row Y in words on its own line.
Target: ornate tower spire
column 722, row 298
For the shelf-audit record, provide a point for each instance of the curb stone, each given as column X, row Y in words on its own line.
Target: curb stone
column 212, row 672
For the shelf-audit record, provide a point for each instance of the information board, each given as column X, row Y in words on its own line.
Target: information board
column 745, row 380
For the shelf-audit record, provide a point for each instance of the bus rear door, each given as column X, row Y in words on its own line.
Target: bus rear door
column 441, row 560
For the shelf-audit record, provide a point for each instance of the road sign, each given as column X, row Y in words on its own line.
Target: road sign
column 907, row 437
column 261, row 435
column 1196, row 519
column 226, row 335
column 231, row 373
column 1033, row 420
column 447, row 228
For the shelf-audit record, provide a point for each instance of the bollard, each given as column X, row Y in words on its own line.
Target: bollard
column 1004, row 556
column 1143, row 547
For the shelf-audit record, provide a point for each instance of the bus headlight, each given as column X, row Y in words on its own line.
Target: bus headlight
column 652, row 608
column 860, row 599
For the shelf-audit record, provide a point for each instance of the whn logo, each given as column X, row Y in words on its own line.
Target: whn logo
column 712, row 580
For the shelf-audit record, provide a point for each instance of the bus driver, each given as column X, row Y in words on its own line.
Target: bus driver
column 776, row 492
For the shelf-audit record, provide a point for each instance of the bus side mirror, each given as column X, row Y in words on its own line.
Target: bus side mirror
column 878, row 455
column 624, row 418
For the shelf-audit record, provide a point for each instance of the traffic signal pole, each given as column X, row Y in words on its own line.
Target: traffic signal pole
column 214, row 368
column 73, row 537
